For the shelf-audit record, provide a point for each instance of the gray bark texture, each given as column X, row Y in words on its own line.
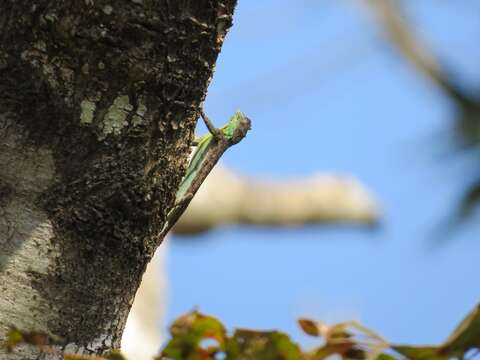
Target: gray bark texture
column 98, row 103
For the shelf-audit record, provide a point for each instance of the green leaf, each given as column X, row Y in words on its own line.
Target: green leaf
column 386, row 357
column 419, row 352
column 16, row 337
column 262, row 345
column 82, row 357
column 114, row 354
column 465, row 337
column 188, row 334
column 341, row 348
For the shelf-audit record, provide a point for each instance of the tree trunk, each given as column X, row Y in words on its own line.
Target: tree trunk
column 98, row 103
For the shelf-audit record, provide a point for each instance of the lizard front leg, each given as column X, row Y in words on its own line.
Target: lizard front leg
column 217, row 133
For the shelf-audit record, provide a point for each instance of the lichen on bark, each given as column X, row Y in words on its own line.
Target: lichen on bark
column 87, row 111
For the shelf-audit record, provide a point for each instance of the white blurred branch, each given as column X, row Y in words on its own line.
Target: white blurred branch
column 228, row 198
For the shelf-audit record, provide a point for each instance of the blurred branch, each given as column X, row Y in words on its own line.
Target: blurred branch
column 227, row 198
column 390, row 15
column 466, row 135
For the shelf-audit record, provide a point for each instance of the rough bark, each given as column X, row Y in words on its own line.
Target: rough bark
column 98, row 102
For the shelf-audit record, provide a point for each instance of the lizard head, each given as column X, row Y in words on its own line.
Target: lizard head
column 237, row 127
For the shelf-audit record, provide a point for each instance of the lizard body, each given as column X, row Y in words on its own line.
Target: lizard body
column 207, row 153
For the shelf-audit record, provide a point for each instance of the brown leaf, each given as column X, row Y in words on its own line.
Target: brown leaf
column 309, row 327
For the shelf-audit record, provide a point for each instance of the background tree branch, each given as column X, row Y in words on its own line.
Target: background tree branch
column 466, row 132
column 228, row 198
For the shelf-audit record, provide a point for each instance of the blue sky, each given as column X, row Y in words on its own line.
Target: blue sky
column 327, row 93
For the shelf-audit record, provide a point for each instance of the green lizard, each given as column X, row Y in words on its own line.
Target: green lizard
column 209, row 149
